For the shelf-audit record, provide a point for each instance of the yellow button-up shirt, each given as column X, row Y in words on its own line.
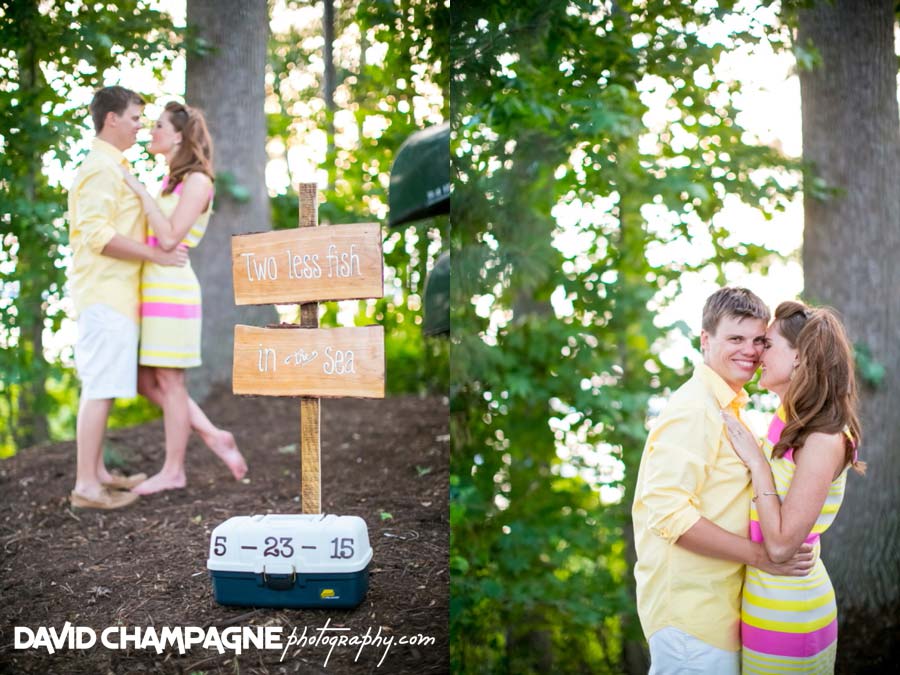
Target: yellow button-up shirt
column 101, row 205
column 689, row 470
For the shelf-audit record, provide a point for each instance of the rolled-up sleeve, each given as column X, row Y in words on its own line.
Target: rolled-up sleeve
column 676, row 468
column 96, row 207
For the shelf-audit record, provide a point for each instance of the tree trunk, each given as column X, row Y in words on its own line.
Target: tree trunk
column 32, row 422
column 228, row 84
column 31, row 425
column 328, row 86
column 851, row 260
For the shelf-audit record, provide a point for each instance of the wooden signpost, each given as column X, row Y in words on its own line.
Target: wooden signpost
column 339, row 262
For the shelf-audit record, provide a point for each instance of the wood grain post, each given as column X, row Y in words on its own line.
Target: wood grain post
column 310, row 410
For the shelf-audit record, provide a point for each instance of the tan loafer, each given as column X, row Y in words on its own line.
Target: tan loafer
column 118, row 482
column 108, row 499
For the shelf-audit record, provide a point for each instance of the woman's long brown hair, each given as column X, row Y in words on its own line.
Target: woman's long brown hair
column 821, row 396
column 195, row 153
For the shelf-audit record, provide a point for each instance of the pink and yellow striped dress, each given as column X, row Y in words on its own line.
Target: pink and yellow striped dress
column 789, row 624
column 170, row 301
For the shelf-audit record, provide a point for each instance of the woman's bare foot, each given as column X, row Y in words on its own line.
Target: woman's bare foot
column 160, row 482
column 226, row 449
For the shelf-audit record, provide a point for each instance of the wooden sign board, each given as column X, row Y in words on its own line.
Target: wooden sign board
column 338, row 262
column 325, row 363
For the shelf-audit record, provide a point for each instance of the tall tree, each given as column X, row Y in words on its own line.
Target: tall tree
column 226, row 73
column 328, row 86
column 851, row 249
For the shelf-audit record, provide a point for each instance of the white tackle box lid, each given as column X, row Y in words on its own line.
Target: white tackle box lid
column 286, row 543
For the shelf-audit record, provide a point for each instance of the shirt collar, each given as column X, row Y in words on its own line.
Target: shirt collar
column 725, row 395
column 110, row 150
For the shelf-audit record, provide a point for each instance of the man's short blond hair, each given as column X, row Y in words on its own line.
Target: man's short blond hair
column 732, row 302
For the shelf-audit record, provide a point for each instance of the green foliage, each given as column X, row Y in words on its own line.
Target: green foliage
column 132, row 411
column 49, row 54
column 115, row 457
column 808, row 57
column 229, row 186
column 556, row 351
column 870, row 371
column 388, row 101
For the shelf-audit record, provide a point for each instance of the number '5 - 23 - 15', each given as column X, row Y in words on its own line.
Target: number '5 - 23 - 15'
column 340, row 548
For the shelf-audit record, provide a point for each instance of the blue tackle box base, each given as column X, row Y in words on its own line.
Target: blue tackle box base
column 246, row 589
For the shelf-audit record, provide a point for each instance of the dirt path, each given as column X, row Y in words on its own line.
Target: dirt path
column 146, row 565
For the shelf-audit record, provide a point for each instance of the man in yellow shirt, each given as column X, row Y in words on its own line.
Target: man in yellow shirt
column 692, row 503
column 106, row 233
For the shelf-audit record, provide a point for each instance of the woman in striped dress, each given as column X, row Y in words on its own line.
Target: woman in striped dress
column 170, row 297
column 789, row 624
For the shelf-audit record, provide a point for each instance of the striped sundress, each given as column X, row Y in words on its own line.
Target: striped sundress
column 170, row 301
column 789, row 624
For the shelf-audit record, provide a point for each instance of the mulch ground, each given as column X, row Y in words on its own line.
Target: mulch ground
column 146, row 565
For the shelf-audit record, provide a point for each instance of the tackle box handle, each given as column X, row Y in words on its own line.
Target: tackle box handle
column 280, row 582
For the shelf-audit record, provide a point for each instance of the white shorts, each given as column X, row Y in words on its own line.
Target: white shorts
column 106, row 353
column 674, row 652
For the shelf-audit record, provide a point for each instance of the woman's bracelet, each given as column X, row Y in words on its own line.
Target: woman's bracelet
column 764, row 494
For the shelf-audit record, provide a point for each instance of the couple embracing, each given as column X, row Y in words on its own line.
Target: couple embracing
column 729, row 578
column 136, row 297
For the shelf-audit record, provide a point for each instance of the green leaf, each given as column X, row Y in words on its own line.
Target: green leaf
column 808, row 56
column 228, row 185
column 871, row 372
column 459, row 565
